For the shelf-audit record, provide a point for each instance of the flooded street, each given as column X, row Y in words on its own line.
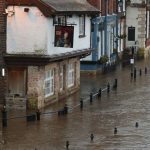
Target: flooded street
column 122, row 108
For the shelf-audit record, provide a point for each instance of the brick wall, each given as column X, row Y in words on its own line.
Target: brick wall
column 2, row 49
column 102, row 4
column 115, row 6
column 95, row 3
column 35, row 83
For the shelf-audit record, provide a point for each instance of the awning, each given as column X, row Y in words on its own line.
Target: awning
column 40, row 60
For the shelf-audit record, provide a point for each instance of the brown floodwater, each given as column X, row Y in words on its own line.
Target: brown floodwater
column 122, row 108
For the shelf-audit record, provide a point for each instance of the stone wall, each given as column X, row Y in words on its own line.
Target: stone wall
column 2, row 49
column 35, row 83
column 34, row 86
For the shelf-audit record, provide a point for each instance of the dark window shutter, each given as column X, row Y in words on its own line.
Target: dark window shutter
column 131, row 33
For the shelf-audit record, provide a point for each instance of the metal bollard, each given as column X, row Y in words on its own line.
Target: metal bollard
column 145, row 70
column 61, row 112
column 116, row 83
column 67, row 145
column 134, row 73
column 100, row 93
column 38, row 113
column 92, row 137
column 140, row 72
column 108, row 88
column 66, row 109
column 4, row 117
column 115, row 131
column 81, row 103
column 91, row 98
column 136, row 125
column 131, row 74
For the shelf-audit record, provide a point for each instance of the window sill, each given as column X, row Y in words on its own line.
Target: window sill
column 50, row 98
column 49, row 95
column 81, row 36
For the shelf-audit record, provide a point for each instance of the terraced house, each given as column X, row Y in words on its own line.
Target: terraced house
column 107, row 34
column 45, row 40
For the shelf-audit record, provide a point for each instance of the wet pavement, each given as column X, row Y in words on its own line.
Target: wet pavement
column 121, row 109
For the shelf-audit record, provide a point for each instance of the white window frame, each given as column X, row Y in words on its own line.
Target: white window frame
column 71, row 75
column 61, row 20
column 49, row 83
column 82, row 25
column 61, row 78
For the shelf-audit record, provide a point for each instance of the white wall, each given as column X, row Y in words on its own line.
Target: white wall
column 133, row 18
column 138, row 1
column 26, row 32
column 32, row 32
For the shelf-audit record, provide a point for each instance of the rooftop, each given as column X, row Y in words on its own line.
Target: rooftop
column 52, row 7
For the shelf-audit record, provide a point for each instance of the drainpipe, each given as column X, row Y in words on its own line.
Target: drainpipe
column 105, row 28
column 146, row 25
column 117, row 22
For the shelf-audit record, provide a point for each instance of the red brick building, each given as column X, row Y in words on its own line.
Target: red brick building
column 102, row 4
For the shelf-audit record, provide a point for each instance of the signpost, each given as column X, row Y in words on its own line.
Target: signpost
column 132, row 61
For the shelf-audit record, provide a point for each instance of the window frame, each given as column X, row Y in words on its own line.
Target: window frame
column 49, row 79
column 71, row 75
column 61, row 78
column 62, row 21
column 82, row 26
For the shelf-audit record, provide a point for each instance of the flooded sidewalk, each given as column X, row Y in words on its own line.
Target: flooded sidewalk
column 121, row 108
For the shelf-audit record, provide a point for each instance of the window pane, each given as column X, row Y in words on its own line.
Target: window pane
column 61, row 78
column 81, row 25
column 70, row 75
column 49, row 82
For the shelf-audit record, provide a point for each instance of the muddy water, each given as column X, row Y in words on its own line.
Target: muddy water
column 121, row 109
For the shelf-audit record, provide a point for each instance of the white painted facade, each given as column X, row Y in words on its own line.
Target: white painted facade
column 136, row 17
column 120, row 32
column 138, row 1
column 31, row 32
